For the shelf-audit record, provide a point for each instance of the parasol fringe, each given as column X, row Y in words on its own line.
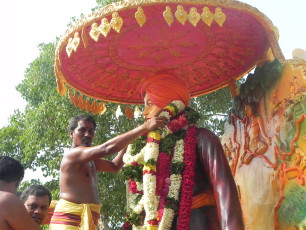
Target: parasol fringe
column 79, row 101
column 87, row 105
column 118, row 111
column 61, row 88
column 94, row 107
column 128, row 112
column 102, row 108
column 136, row 112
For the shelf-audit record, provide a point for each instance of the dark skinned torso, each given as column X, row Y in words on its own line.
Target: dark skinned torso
column 78, row 182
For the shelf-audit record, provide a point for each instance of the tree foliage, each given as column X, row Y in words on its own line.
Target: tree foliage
column 262, row 80
column 101, row 3
column 38, row 136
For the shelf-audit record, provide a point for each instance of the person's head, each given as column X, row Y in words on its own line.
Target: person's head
column 37, row 199
column 11, row 174
column 160, row 90
column 250, row 109
column 82, row 129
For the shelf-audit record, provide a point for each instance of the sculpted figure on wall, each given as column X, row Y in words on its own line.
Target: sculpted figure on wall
column 254, row 145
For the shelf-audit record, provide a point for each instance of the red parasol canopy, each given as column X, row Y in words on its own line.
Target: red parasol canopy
column 207, row 44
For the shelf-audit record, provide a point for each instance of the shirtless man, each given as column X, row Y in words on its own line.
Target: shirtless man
column 79, row 203
column 13, row 214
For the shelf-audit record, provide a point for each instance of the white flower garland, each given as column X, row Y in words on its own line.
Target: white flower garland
column 175, row 185
column 129, row 158
column 149, row 201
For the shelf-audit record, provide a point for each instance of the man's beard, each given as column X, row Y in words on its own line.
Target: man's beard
column 86, row 141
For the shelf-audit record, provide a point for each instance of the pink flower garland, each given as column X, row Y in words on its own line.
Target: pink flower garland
column 162, row 172
column 133, row 187
column 187, row 178
column 177, row 124
column 162, row 180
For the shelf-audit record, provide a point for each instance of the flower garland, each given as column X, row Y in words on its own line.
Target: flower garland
column 188, row 175
column 157, row 177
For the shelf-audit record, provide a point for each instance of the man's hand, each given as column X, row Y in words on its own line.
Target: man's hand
column 155, row 122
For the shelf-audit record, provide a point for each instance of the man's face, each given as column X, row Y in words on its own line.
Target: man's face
column 37, row 207
column 150, row 109
column 83, row 134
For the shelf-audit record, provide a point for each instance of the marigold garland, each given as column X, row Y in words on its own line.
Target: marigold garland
column 163, row 173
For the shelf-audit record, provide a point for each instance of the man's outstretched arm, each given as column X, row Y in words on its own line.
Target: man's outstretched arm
column 115, row 165
column 85, row 154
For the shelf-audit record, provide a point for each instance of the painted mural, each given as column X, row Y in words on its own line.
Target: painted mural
column 265, row 144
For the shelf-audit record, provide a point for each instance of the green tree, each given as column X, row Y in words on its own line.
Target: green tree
column 38, row 136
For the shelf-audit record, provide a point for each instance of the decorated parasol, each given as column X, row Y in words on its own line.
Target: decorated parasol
column 207, row 44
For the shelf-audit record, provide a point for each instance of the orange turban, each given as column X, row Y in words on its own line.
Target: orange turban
column 165, row 88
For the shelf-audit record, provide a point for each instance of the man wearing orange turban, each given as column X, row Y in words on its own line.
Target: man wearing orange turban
column 215, row 203
column 164, row 87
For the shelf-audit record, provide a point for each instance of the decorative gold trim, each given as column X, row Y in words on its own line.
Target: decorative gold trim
column 94, row 32
column 75, row 41
column 104, row 27
column 181, row 15
column 73, row 44
column 219, row 16
column 140, row 17
column 116, row 22
column 193, row 16
column 69, row 47
column 168, row 16
column 207, row 16
column 122, row 5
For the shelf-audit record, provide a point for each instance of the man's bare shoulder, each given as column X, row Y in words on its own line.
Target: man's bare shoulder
column 71, row 159
column 10, row 200
column 7, row 198
column 8, row 204
column 13, row 214
column 73, row 152
column 77, row 156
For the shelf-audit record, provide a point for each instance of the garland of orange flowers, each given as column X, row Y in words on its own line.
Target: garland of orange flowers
column 154, row 197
